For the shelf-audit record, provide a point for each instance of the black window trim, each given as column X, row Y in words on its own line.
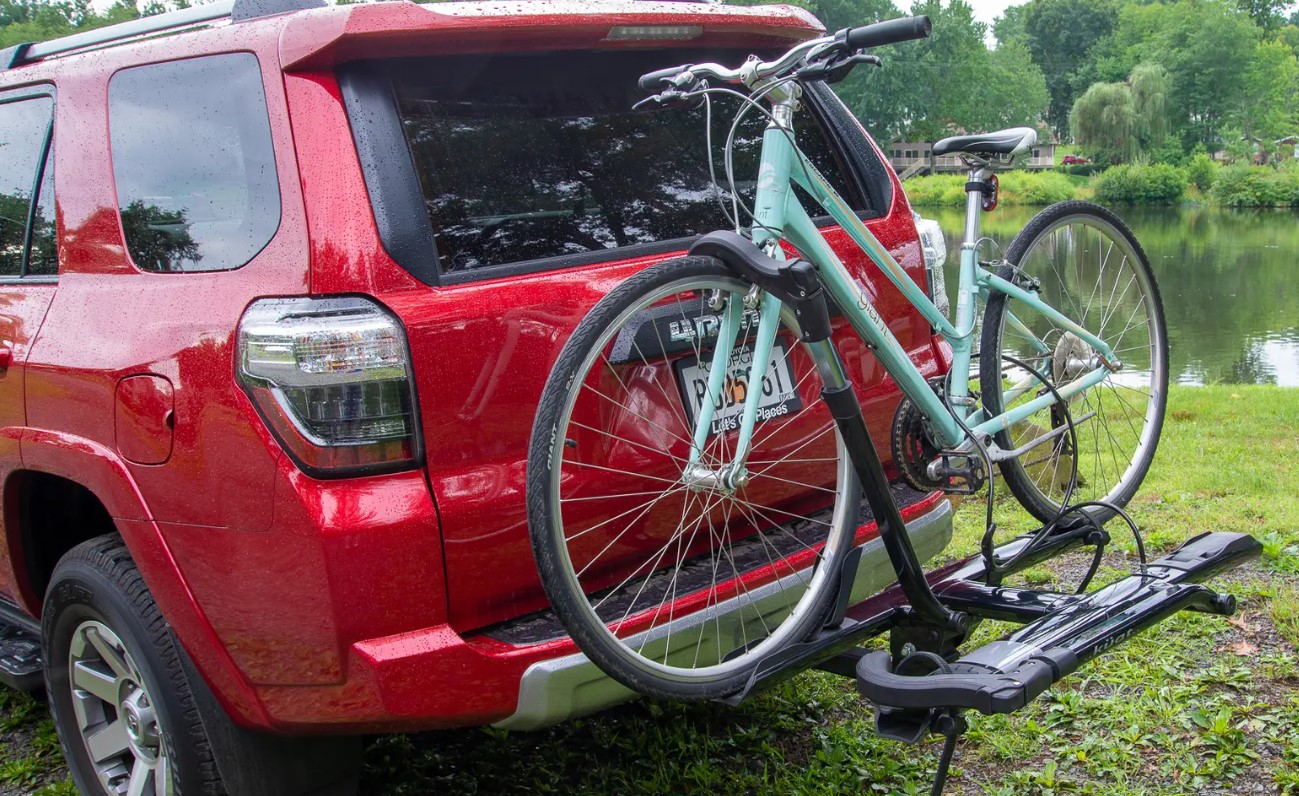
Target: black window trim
column 8, row 96
column 401, row 216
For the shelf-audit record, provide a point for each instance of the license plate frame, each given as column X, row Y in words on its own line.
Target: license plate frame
column 780, row 394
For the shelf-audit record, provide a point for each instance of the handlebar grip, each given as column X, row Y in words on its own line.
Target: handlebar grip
column 890, row 31
column 653, row 82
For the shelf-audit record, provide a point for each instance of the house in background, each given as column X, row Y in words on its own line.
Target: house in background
column 910, row 158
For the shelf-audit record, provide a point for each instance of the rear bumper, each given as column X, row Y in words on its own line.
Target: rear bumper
column 561, row 688
column 437, row 678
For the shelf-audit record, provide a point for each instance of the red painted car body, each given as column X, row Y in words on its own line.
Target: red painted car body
column 344, row 604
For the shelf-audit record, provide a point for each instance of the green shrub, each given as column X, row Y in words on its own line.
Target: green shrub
column 1035, row 188
column 1017, row 188
column 1083, row 169
column 1170, row 152
column 1258, row 186
column 1202, row 171
column 940, row 190
column 1159, row 184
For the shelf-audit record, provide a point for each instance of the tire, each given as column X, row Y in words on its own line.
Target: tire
column 1118, row 421
column 99, row 611
column 579, row 474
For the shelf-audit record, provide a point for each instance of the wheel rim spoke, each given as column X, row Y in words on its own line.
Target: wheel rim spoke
column 98, row 684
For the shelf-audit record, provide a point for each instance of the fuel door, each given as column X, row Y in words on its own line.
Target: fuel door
column 144, row 418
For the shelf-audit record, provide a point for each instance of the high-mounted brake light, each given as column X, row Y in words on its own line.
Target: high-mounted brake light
column 332, row 379
column 656, row 32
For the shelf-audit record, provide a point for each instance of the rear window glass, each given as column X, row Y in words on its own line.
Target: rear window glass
column 534, row 156
column 192, row 159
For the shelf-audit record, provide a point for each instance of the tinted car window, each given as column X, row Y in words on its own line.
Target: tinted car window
column 528, row 157
column 192, row 159
column 24, row 127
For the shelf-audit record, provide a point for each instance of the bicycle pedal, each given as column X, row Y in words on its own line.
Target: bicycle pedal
column 958, row 473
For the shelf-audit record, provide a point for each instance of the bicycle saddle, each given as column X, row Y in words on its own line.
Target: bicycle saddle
column 1005, row 143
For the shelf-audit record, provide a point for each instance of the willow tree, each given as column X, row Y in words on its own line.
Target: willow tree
column 1118, row 121
column 1150, row 85
column 1104, row 120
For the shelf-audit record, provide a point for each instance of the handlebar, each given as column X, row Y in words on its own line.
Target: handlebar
column 843, row 43
column 654, row 81
column 890, row 31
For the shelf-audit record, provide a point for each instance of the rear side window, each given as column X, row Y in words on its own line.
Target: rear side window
column 527, row 157
column 27, row 189
column 192, row 159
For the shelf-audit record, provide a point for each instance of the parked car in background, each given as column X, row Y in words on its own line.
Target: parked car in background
column 278, row 296
column 1074, row 160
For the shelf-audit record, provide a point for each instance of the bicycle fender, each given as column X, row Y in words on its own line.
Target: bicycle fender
column 794, row 282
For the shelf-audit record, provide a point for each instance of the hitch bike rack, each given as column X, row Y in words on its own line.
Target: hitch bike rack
column 923, row 684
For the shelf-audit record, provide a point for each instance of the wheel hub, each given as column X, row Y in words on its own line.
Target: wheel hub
column 1073, row 357
column 141, row 724
column 699, row 478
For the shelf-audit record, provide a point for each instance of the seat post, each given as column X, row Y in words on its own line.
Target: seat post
column 973, row 204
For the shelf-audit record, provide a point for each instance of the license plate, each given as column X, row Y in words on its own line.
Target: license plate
column 779, row 395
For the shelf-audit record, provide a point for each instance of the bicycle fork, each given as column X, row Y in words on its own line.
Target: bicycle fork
column 794, row 283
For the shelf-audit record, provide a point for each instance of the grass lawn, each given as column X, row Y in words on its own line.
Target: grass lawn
column 1199, row 705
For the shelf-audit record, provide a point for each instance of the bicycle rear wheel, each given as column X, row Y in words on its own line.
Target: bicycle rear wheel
column 1090, row 267
column 675, row 587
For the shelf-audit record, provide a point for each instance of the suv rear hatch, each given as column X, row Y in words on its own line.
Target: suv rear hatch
column 517, row 184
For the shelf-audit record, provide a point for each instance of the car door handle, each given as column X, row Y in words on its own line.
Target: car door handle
column 6, row 354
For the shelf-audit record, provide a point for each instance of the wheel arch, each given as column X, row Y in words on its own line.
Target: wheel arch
column 86, row 468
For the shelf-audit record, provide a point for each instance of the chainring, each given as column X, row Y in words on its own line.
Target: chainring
column 912, row 449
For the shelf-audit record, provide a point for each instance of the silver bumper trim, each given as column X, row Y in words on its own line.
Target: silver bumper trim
column 562, row 688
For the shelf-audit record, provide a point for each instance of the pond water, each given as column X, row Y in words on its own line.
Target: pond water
column 1229, row 281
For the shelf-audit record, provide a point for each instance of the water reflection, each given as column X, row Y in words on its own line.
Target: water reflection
column 1229, row 281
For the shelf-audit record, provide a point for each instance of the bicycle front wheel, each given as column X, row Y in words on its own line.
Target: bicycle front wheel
column 1086, row 263
column 677, row 585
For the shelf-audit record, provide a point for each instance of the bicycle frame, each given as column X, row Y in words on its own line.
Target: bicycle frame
column 779, row 215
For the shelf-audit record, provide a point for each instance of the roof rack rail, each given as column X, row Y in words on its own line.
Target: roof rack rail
column 236, row 10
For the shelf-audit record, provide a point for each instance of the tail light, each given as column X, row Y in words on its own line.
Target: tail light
column 934, row 247
column 332, row 379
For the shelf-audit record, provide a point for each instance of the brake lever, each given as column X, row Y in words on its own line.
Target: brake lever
column 835, row 69
column 669, row 99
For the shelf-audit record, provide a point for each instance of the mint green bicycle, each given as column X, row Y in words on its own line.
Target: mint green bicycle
column 699, row 458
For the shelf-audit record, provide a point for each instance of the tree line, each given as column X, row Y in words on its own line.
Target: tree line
column 1126, row 79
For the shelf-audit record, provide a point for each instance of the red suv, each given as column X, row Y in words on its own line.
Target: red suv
column 278, row 295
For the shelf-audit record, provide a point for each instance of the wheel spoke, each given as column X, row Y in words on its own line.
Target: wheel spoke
column 108, row 742
column 108, row 652
column 162, row 781
column 100, row 684
column 140, row 774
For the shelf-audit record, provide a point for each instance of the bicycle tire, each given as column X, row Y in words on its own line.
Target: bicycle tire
column 1066, row 231
column 563, row 449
